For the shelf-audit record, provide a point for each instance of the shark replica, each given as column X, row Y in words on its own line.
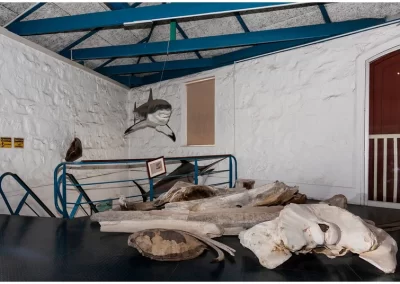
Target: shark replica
column 185, row 173
column 155, row 113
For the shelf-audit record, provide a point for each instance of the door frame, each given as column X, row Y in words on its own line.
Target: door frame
column 362, row 119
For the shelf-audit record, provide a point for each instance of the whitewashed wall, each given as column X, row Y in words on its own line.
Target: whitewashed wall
column 46, row 100
column 288, row 116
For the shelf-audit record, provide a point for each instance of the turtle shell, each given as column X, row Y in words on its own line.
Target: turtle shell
column 166, row 245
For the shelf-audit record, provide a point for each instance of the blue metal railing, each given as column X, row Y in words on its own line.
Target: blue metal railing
column 61, row 175
column 23, row 200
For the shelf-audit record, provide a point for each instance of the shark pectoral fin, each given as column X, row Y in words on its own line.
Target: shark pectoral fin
column 165, row 129
column 137, row 126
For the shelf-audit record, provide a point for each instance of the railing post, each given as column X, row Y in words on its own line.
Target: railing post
column 196, row 172
column 64, row 185
column 230, row 172
column 151, row 189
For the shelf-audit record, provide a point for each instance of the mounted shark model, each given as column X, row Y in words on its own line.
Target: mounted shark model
column 154, row 114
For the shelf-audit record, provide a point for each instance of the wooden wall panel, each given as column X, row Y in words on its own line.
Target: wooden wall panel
column 201, row 112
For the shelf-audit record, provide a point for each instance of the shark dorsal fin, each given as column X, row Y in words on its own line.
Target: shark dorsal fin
column 150, row 95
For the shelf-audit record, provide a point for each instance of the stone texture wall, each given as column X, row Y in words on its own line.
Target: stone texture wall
column 46, row 101
column 288, row 116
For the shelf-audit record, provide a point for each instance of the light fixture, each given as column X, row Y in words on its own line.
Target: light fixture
column 130, row 24
column 398, row 73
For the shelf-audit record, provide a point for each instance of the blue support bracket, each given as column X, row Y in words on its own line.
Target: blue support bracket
column 119, row 17
column 25, row 14
column 324, row 13
column 225, row 41
column 241, row 22
column 117, row 6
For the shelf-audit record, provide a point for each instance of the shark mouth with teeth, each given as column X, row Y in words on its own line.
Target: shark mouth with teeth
column 154, row 114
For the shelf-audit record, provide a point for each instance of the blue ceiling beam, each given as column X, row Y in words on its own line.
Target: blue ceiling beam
column 156, row 67
column 224, row 41
column 241, row 22
column 117, row 6
column 184, row 35
column 119, row 17
column 324, row 13
column 25, row 14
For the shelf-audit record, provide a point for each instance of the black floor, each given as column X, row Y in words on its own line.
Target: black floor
column 48, row 249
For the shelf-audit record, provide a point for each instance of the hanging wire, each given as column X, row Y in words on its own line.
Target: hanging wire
column 165, row 62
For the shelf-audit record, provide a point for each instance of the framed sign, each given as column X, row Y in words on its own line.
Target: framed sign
column 5, row 142
column 156, row 167
column 18, row 142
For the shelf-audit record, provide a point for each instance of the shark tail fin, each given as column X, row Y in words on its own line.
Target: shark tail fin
column 142, row 191
column 150, row 95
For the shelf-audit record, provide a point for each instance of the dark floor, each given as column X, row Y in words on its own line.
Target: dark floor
column 48, row 249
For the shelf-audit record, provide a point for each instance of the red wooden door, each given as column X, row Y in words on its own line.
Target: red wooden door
column 384, row 129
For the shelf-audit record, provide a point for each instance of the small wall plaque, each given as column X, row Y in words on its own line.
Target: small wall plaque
column 5, row 142
column 18, row 142
column 156, row 167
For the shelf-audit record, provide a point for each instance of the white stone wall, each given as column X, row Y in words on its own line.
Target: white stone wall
column 45, row 101
column 288, row 116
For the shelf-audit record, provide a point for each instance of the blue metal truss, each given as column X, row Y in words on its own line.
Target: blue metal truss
column 224, row 41
column 119, row 17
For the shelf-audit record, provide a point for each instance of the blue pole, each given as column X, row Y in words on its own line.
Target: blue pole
column 196, row 172
column 64, row 185
column 230, row 172
column 151, row 189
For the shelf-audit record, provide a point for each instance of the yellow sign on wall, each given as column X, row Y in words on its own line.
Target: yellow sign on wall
column 5, row 142
column 18, row 142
